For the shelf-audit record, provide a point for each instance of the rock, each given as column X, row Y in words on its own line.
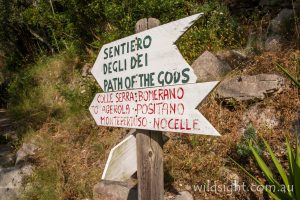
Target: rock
column 232, row 179
column 239, row 54
column 208, row 67
column 11, row 181
column 261, row 116
column 282, row 23
column 229, row 175
column 229, row 55
column 188, row 187
column 250, row 87
column 168, row 197
column 233, row 57
column 185, row 195
column 27, row 149
column 114, row 190
column 274, row 43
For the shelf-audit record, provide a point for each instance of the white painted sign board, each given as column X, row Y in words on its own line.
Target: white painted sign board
column 121, row 163
column 170, row 108
column 148, row 83
column 146, row 59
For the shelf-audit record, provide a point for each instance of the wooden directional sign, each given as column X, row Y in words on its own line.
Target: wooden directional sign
column 170, row 108
column 146, row 59
column 148, row 83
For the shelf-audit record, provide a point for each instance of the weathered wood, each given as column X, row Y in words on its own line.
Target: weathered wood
column 145, row 24
column 121, row 162
column 183, row 117
column 141, row 25
column 135, row 73
column 149, row 149
column 114, row 190
column 150, row 165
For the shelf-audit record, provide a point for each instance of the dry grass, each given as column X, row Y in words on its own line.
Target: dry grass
column 73, row 151
column 189, row 165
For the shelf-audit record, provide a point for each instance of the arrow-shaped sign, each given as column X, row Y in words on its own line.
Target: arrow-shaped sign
column 170, row 108
column 121, row 163
column 149, row 85
column 146, row 59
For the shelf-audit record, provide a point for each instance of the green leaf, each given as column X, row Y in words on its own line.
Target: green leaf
column 273, row 195
column 289, row 75
column 297, row 172
column 269, row 175
column 262, row 165
column 291, row 159
column 278, row 166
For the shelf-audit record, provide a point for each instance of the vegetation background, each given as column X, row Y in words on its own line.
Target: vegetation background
column 46, row 47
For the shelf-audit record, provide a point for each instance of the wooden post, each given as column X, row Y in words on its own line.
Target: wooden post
column 149, row 148
column 150, row 165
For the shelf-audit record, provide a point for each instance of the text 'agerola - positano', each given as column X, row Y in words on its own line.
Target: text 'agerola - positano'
column 130, row 108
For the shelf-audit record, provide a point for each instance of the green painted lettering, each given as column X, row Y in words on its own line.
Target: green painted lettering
column 105, row 68
column 133, row 62
column 110, row 52
column 185, row 75
column 139, row 60
column 132, row 45
column 139, row 44
column 116, row 50
column 106, row 54
column 147, row 41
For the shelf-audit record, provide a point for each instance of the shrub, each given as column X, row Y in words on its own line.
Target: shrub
column 216, row 30
column 34, row 98
column 290, row 189
column 243, row 148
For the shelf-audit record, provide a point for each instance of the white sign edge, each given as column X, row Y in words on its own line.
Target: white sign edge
column 107, row 165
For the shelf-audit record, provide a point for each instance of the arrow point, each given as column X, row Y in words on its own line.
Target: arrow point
column 197, row 16
column 206, row 128
column 177, row 28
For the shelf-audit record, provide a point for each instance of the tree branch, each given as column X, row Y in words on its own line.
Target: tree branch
column 37, row 36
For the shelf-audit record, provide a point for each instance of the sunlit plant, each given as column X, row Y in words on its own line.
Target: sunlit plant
column 290, row 189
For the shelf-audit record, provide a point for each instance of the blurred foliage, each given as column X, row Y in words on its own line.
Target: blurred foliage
column 31, row 30
column 79, row 98
column 46, row 184
column 243, row 148
column 292, row 78
column 216, row 30
column 46, row 43
column 51, row 89
column 287, row 185
column 31, row 27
